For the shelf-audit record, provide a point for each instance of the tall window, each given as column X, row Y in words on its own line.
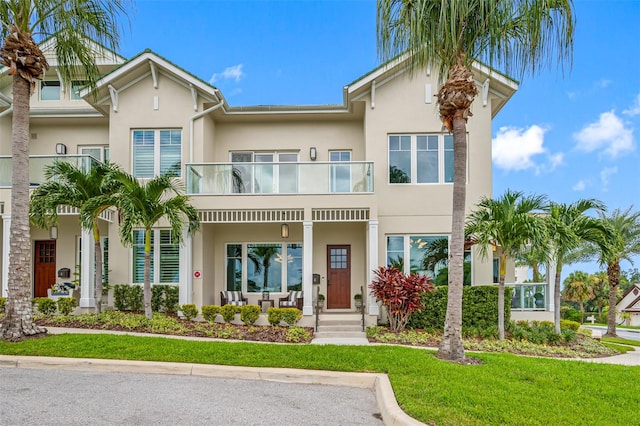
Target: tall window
column 157, row 152
column 340, row 173
column 424, row 254
column 258, row 267
column 49, row 90
column 99, row 152
column 165, row 253
column 76, row 86
column 267, row 173
column 420, row 158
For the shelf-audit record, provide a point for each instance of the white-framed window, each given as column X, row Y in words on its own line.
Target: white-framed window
column 424, row 254
column 77, row 273
column 267, row 172
column 420, row 159
column 50, row 90
column 165, row 253
column 340, row 173
column 76, row 86
column 157, row 152
column 99, row 152
column 258, row 267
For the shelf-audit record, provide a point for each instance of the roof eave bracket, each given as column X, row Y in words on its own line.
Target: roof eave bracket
column 154, row 74
column 194, row 96
column 113, row 92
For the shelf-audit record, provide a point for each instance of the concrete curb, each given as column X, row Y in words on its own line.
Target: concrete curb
column 391, row 412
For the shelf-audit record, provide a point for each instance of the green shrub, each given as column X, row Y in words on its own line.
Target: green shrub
column 570, row 325
column 479, row 308
column 189, row 310
column 569, row 335
column 66, row 305
column 209, row 312
column 128, row 297
column 274, row 315
column 249, row 314
column 297, row 335
column 3, row 301
column 157, row 298
column 171, row 299
column 573, row 315
column 228, row 312
column 291, row 315
column 45, row 305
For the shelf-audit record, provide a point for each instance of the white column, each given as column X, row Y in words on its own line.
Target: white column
column 186, row 277
column 87, row 276
column 307, row 267
column 373, row 264
column 6, row 232
column 551, row 279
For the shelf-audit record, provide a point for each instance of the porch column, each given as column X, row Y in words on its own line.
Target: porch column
column 551, row 278
column 374, row 309
column 87, row 276
column 185, row 287
column 307, row 267
column 6, row 232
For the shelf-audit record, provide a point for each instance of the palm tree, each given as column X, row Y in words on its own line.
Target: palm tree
column 71, row 22
column 511, row 223
column 578, row 288
column 624, row 245
column 568, row 229
column 261, row 257
column 143, row 205
column 70, row 185
column 516, row 35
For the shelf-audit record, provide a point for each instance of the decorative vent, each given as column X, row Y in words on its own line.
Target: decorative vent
column 34, row 136
column 340, row 215
column 252, row 216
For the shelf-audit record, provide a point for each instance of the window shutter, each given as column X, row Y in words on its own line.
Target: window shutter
column 143, row 155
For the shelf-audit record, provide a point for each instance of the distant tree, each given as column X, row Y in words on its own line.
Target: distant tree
column 578, row 288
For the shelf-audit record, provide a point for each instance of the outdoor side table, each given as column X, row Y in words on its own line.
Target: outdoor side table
column 263, row 301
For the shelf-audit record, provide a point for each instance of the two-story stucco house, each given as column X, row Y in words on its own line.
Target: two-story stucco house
column 290, row 197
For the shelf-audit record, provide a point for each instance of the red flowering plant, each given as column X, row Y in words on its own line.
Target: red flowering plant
column 401, row 294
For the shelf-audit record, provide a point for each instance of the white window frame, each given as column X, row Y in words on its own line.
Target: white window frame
column 156, row 150
column 414, row 159
column 333, row 179
column 104, row 151
column 155, row 251
column 275, row 161
column 73, row 95
column 43, row 83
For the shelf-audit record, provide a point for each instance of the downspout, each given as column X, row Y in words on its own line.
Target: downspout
column 194, row 118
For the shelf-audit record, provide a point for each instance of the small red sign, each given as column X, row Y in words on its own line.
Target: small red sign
column 197, row 274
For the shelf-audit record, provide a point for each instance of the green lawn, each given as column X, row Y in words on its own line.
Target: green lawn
column 620, row 341
column 506, row 389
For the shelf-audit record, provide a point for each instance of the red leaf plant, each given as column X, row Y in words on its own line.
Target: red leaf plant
column 401, row 294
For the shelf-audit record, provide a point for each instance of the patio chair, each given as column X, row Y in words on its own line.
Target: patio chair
column 232, row 298
column 293, row 300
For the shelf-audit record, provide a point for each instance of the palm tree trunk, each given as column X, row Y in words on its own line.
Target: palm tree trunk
column 147, row 273
column 451, row 346
column 503, row 270
column 98, row 254
column 18, row 321
column 557, row 298
column 613, row 273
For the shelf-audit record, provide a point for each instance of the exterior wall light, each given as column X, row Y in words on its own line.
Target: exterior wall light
column 313, row 153
column 61, row 149
column 53, row 232
column 284, row 230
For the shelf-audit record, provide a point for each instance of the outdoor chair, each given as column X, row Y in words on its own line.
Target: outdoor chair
column 232, row 298
column 293, row 300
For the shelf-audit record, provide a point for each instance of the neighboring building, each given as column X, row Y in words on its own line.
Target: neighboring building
column 628, row 308
column 356, row 185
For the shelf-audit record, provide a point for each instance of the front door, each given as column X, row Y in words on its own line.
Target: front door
column 44, row 267
column 339, row 277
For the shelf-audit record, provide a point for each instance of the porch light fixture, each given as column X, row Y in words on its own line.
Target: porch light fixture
column 61, row 149
column 284, row 230
column 313, row 153
column 53, row 232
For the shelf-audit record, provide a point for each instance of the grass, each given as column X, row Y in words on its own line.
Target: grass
column 620, row 341
column 505, row 389
column 620, row 348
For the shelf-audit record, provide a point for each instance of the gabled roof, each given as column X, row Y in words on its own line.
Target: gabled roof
column 634, row 304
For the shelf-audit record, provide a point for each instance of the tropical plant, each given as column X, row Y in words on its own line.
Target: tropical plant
column 261, row 257
column 72, row 185
column 71, row 22
column 515, row 35
column 510, row 223
column 625, row 244
column 578, row 288
column 401, row 294
column 143, row 205
column 600, row 289
column 569, row 228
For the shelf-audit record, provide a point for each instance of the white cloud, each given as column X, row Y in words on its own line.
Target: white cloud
column 605, row 175
column 515, row 149
column 580, row 186
column 634, row 109
column 230, row 73
column 603, row 83
column 608, row 134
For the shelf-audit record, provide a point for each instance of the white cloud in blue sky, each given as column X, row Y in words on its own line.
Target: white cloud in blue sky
column 605, row 176
column 609, row 135
column 580, row 186
column 634, row 109
column 234, row 73
column 515, row 148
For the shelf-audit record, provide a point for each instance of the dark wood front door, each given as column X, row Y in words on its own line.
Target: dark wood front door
column 339, row 277
column 44, row 267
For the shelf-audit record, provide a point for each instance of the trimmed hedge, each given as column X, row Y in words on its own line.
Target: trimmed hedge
column 479, row 308
column 164, row 298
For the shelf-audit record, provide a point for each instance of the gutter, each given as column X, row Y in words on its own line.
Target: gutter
column 194, row 118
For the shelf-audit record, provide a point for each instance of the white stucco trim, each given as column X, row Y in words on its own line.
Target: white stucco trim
column 307, row 267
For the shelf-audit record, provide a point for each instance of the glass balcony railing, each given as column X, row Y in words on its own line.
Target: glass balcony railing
column 279, row 178
column 37, row 165
column 529, row 297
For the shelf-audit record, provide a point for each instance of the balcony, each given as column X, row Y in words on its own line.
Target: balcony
column 37, row 164
column 530, row 297
column 279, row 178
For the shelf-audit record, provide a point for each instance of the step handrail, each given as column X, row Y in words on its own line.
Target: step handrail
column 362, row 306
column 317, row 307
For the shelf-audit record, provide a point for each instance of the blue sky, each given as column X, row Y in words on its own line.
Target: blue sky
column 570, row 136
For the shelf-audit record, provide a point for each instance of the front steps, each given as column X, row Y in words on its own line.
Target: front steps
column 340, row 329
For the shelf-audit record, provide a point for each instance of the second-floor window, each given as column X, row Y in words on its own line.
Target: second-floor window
column 420, row 158
column 268, row 173
column 157, row 152
column 165, row 257
column 49, row 90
